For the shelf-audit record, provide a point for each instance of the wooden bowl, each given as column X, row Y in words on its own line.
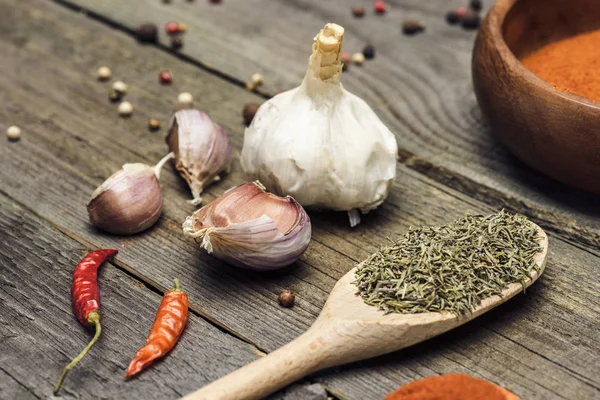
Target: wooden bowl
column 555, row 132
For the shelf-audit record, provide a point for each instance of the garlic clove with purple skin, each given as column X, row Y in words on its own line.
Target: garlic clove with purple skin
column 130, row 201
column 251, row 228
column 201, row 147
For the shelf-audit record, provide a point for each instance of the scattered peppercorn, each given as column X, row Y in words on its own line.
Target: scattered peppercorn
column 185, row 99
column 165, row 77
column 166, row 1
column 182, row 27
column 476, row 5
column 104, row 73
column 358, row 12
column 13, row 133
column 176, row 42
column 358, row 58
column 153, row 124
column 172, row 28
column 470, row 20
column 147, row 33
column 286, row 298
column 255, row 81
column 119, row 87
column 369, row 52
column 452, row 18
column 345, row 67
column 345, row 57
column 379, row 6
column 125, row 109
column 249, row 112
column 215, row 1
column 461, row 11
column 114, row 96
column 411, row 27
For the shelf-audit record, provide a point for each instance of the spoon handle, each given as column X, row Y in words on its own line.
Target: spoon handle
column 266, row 375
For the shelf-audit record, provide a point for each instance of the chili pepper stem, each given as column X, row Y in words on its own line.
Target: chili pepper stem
column 177, row 286
column 94, row 318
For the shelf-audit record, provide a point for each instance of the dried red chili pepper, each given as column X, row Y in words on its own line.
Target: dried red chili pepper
column 85, row 299
column 166, row 330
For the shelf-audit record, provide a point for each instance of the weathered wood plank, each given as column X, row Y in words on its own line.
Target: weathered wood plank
column 67, row 150
column 420, row 86
column 40, row 334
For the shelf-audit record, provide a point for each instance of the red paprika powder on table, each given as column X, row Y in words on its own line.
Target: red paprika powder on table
column 451, row 387
column 570, row 64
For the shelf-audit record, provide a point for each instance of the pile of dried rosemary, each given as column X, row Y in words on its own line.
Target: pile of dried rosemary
column 452, row 267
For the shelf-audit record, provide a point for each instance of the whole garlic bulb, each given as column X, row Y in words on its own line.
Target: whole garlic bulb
column 129, row 201
column 321, row 144
column 201, row 147
column 251, row 228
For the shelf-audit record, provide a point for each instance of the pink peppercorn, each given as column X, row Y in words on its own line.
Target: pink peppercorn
column 172, row 28
column 461, row 11
column 379, row 6
column 165, row 77
column 345, row 57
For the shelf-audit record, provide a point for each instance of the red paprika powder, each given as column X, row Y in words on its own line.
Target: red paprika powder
column 451, row 387
column 570, row 64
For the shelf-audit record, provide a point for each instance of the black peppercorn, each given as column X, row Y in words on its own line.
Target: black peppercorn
column 411, row 27
column 358, row 12
column 476, row 5
column 452, row 18
column 248, row 112
column 470, row 20
column 286, row 298
column 176, row 42
column 114, row 96
column 369, row 52
column 147, row 33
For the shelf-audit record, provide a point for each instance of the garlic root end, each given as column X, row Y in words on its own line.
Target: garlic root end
column 354, row 217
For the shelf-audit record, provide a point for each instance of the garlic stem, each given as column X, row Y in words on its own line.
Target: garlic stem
column 325, row 59
column 161, row 163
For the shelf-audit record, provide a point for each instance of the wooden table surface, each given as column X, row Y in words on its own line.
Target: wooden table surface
column 542, row 345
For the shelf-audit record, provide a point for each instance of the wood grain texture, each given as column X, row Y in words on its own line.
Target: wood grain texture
column 40, row 335
column 73, row 140
column 420, row 86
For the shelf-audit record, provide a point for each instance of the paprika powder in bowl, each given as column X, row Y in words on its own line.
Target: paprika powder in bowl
column 545, row 124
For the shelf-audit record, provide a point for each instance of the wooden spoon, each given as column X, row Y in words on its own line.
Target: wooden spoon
column 347, row 330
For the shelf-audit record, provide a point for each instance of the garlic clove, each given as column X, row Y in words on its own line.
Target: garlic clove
column 129, row 201
column 251, row 228
column 201, row 147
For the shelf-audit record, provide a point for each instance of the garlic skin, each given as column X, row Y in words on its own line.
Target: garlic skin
column 321, row 144
column 202, row 149
column 129, row 201
column 251, row 228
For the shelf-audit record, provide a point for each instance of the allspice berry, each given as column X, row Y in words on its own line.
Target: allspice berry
column 358, row 12
column 470, row 20
column 286, row 298
column 147, row 33
column 412, row 27
column 249, row 112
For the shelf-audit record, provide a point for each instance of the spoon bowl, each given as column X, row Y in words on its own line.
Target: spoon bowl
column 348, row 330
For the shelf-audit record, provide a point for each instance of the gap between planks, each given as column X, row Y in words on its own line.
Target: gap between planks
column 565, row 227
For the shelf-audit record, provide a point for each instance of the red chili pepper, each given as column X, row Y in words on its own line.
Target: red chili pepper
column 166, row 330
column 85, row 298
